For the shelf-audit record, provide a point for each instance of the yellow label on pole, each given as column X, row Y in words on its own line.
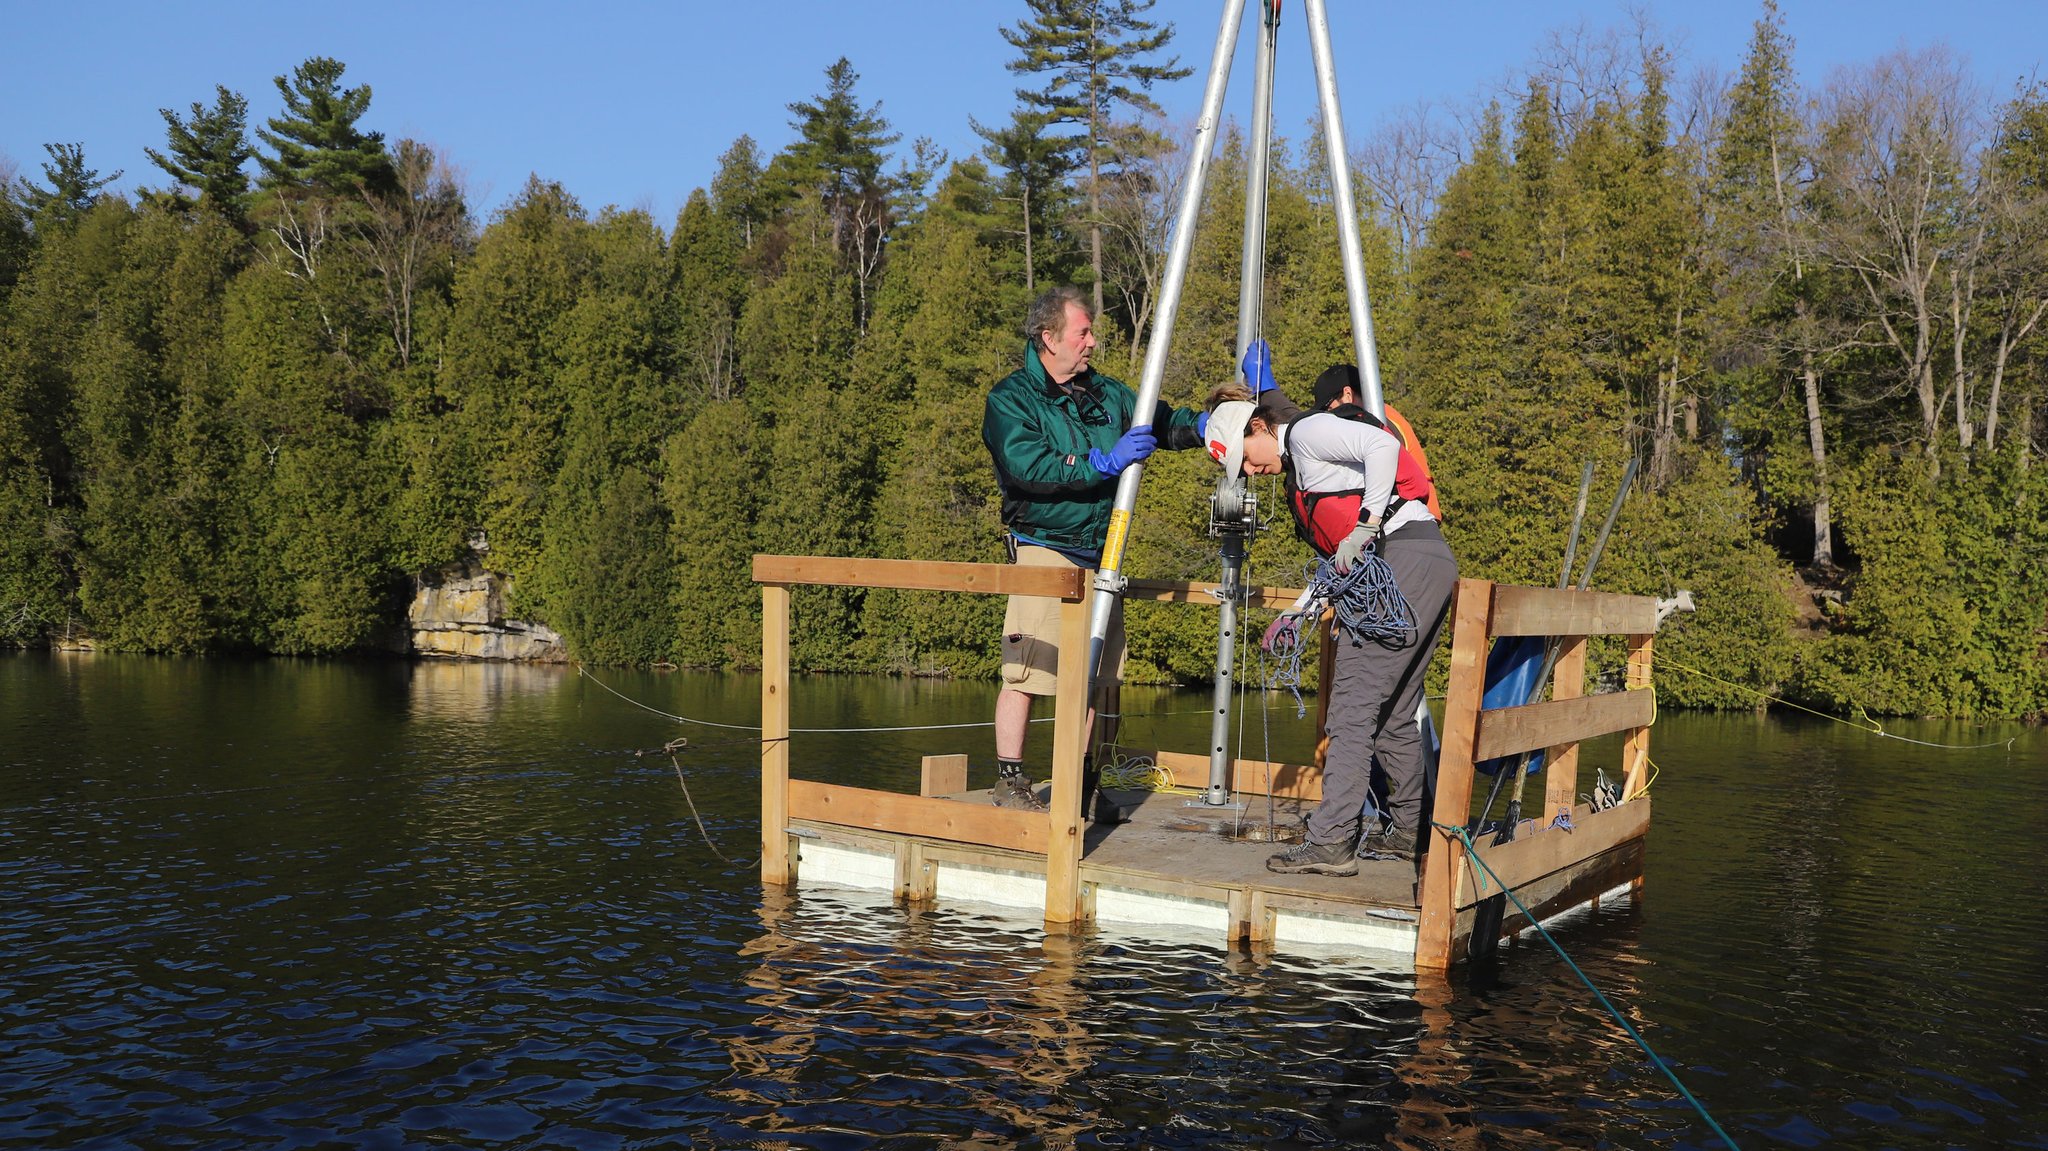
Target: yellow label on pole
column 1113, row 545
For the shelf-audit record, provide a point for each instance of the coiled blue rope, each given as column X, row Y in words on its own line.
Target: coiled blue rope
column 1459, row 833
column 1369, row 608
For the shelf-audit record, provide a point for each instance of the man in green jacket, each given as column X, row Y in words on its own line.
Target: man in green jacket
column 1060, row 433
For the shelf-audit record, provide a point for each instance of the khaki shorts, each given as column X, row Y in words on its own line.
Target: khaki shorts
column 1031, row 634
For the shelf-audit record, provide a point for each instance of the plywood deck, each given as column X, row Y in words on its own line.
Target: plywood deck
column 1172, row 834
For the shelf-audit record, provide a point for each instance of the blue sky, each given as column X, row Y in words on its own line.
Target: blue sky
column 632, row 104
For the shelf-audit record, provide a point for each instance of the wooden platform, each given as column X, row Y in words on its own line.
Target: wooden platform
column 1185, row 867
column 1175, row 864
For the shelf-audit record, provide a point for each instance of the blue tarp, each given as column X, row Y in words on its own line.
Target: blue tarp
column 1511, row 670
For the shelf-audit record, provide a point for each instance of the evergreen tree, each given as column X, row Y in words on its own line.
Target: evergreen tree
column 317, row 143
column 1772, row 293
column 736, row 191
column 713, row 471
column 503, row 372
column 709, row 292
column 208, row 151
column 73, row 187
column 1035, row 167
column 1093, row 53
column 602, row 578
column 953, row 333
column 796, row 346
column 838, row 157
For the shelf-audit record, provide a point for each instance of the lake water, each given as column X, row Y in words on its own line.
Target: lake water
column 271, row 904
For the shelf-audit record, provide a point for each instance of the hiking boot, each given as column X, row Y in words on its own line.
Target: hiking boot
column 1016, row 793
column 1315, row 859
column 1394, row 843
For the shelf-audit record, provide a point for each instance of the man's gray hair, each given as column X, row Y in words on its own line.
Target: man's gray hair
column 1049, row 312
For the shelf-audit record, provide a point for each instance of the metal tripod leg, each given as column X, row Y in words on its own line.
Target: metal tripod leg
column 1109, row 578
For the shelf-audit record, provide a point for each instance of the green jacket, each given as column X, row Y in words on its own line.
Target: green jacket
column 1039, row 434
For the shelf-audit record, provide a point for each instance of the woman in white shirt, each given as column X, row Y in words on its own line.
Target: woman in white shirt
column 1341, row 488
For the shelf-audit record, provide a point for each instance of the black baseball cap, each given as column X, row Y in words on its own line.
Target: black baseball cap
column 1331, row 384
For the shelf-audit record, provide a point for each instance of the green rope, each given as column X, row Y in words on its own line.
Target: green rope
column 1472, row 853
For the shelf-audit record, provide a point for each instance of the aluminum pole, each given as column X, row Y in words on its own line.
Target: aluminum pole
column 1251, row 290
column 1109, row 579
column 1347, row 209
column 1251, row 293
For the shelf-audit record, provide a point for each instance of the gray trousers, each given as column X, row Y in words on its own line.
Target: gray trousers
column 1374, row 693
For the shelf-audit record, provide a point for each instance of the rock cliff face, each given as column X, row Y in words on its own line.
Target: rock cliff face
column 459, row 613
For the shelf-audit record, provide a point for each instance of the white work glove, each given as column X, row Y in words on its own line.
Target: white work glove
column 1348, row 552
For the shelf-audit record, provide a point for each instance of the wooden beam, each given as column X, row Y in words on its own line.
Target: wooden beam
column 942, row 775
column 953, row 819
column 1560, row 891
column 1290, row 780
column 1063, row 897
column 1529, row 858
column 1513, row 730
column 1553, row 611
column 921, row 575
column 775, row 862
column 1561, row 762
column 1184, row 591
column 1472, row 616
column 1635, row 751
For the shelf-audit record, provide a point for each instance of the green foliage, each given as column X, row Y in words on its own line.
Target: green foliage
column 73, row 187
column 318, row 146
column 208, row 151
column 216, row 437
column 1945, row 614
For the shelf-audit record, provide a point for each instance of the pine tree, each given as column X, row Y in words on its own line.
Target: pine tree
column 317, row 143
column 208, row 151
column 838, row 157
column 1094, row 55
column 796, row 347
column 711, row 486
column 1035, row 167
column 73, row 187
column 1770, row 283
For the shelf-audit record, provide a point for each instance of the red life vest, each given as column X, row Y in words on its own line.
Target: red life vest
column 1323, row 519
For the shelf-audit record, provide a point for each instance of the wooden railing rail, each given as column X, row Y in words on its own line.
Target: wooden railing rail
column 1483, row 612
column 1056, row 835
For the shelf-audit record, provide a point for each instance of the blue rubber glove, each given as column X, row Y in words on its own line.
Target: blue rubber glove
column 1129, row 448
column 1258, row 367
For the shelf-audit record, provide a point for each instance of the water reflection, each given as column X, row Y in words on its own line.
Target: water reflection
column 1002, row 1009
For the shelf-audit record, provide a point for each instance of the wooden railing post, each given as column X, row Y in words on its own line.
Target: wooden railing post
column 1439, row 893
column 1069, row 736
column 1561, row 775
column 774, row 735
column 1635, row 754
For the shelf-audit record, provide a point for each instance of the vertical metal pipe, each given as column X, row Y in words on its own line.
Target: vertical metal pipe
column 1109, row 579
column 1251, row 293
column 1251, row 290
column 1346, row 207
